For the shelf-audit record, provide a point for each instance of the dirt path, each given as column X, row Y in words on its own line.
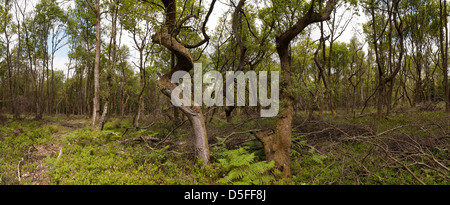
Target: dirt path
column 37, row 155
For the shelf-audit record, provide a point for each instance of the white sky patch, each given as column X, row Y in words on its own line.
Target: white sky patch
column 60, row 62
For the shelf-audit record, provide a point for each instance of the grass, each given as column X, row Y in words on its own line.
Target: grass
column 55, row 151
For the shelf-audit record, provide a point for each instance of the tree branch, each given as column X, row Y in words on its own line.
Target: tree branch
column 205, row 35
column 309, row 18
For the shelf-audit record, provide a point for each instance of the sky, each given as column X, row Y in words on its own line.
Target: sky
column 61, row 59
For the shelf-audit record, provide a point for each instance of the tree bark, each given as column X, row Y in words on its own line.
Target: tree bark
column 195, row 116
column 96, row 102
column 112, row 60
column 444, row 52
column 277, row 146
column 383, row 78
column 184, row 62
column 9, row 65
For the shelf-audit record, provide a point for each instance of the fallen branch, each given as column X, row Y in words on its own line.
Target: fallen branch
column 427, row 154
column 315, row 132
column 140, row 139
column 18, row 168
column 301, row 124
column 234, row 133
column 372, row 136
column 246, row 121
column 310, row 147
column 406, row 167
column 59, row 155
column 137, row 128
column 170, row 133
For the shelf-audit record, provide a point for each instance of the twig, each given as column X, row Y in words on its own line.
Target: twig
column 18, row 168
column 59, row 155
column 112, row 133
column 310, row 147
column 234, row 133
column 315, row 132
column 382, row 133
column 246, row 121
column 175, row 152
column 315, row 149
column 304, row 121
column 170, row 133
column 322, row 171
column 140, row 138
column 146, row 143
column 427, row 154
column 137, row 128
column 398, row 162
column 372, row 136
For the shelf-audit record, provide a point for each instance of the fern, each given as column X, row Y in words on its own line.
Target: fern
column 316, row 157
column 241, row 169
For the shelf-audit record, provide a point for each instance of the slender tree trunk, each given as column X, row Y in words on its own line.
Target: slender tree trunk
column 277, row 145
column 85, row 105
column 329, row 92
column 96, row 102
column 112, row 62
column 141, row 46
column 444, row 52
column 10, row 75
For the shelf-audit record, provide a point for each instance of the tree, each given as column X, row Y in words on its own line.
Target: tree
column 140, row 25
column 114, row 10
column 6, row 30
column 166, row 36
column 277, row 145
column 444, row 51
column 336, row 26
column 96, row 104
column 378, row 28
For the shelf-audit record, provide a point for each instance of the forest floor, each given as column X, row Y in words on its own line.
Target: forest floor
column 406, row 148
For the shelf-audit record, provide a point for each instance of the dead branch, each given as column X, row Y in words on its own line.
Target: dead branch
column 18, row 168
column 170, row 133
column 234, row 133
column 401, row 164
column 301, row 124
column 246, row 121
column 59, row 155
column 372, row 136
column 137, row 128
column 140, row 139
column 316, row 132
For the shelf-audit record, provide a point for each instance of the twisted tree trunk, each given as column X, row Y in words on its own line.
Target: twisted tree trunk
column 194, row 112
column 277, row 146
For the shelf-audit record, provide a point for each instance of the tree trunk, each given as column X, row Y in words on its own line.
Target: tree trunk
column 194, row 113
column 444, row 52
column 281, row 147
column 228, row 111
column 96, row 98
column 277, row 146
column 96, row 103
column 10, row 78
column 112, row 61
column 195, row 116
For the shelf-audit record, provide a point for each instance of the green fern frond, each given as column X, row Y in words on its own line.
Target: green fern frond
column 242, row 169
